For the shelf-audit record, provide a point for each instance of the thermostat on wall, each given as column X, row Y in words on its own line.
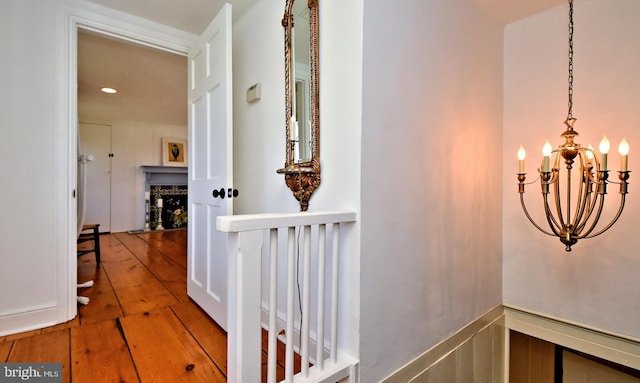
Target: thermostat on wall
column 253, row 93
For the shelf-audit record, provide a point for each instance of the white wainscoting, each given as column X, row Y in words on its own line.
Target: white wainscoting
column 612, row 347
column 473, row 354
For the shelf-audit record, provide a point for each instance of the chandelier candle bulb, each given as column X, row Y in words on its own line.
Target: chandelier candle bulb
column 521, row 155
column 623, row 149
column 590, row 152
column 546, row 152
column 604, row 149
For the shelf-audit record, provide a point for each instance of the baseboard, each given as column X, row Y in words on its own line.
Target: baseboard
column 613, row 347
column 27, row 319
column 488, row 326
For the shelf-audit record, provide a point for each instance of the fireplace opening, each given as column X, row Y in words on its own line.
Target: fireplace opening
column 174, row 211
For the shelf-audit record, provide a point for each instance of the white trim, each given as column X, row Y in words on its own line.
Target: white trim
column 130, row 28
column 416, row 369
column 506, row 346
column 248, row 222
column 64, row 189
column 613, row 347
column 114, row 24
column 28, row 318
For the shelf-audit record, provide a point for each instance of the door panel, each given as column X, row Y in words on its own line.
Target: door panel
column 96, row 140
column 210, row 165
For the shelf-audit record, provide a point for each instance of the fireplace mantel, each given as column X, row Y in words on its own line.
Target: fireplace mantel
column 165, row 175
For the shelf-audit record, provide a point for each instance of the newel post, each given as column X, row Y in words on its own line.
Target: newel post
column 244, row 334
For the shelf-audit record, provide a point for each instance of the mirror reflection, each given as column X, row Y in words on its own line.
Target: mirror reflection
column 301, row 110
column 302, row 157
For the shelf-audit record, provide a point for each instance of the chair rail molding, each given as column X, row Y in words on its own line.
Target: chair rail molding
column 613, row 347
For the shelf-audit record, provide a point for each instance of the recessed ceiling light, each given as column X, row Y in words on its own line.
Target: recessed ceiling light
column 109, row 90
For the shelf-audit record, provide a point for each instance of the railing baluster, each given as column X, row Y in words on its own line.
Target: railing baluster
column 306, row 282
column 322, row 241
column 245, row 235
column 291, row 278
column 334, row 292
column 272, row 353
column 244, row 348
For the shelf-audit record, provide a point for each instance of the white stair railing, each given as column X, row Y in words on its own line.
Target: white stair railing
column 256, row 244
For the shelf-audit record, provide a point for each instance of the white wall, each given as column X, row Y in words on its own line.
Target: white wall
column 37, row 242
column 29, row 150
column 259, row 128
column 134, row 144
column 431, row 195
column 258, row 57
column 596, row 284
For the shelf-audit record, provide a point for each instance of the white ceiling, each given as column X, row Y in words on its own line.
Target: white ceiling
column 194, row 15
column 152, row 85
column 188, row 15
column 508, row 11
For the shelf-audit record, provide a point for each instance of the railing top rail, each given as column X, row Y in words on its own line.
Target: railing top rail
column 248, row 222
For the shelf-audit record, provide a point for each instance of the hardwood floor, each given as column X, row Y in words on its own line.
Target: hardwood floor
column 139, row 326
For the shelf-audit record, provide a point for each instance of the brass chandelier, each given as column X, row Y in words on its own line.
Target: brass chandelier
column 574, row 207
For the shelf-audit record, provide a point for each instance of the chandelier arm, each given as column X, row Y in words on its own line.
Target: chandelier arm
column 590, row 210
column 588, row 205
column 532, row 182
column 622, row 202
column 584, row 197
column 556, row 194
column 600, row 195
column 593, row 169
column 551, row 219
column 600, row 204
column 590, row 173
column 593, row 201
column 568, row 196
column 526, row 212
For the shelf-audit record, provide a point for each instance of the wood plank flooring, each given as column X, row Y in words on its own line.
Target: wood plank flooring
column 139, row 326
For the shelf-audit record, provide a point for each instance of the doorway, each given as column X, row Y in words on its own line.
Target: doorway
column 124, row 131
column 74, row 20
column 210, row 87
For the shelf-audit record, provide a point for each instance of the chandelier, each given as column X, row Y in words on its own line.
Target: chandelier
column 574, row 180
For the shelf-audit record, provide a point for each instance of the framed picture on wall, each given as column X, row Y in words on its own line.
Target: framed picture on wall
column 174, row 152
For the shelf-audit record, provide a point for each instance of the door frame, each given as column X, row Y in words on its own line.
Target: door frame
column 114, row 24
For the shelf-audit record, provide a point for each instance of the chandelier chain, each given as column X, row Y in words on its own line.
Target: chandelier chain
column 570, row 112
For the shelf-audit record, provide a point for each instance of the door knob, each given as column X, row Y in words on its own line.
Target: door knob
column 220, row 193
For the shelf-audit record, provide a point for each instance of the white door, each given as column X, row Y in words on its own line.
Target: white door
column 210, row 165
column 95, row 139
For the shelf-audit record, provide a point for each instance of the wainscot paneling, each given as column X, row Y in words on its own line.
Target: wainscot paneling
column 474, row 354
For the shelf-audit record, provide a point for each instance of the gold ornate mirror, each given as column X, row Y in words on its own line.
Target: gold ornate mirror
column 302, row 105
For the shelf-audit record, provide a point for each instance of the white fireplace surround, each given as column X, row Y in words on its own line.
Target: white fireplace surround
column 164, row 175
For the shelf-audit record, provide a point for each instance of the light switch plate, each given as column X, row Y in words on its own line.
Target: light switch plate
column 253, row 93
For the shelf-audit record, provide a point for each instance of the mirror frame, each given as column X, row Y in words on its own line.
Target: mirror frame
column 302, row 177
